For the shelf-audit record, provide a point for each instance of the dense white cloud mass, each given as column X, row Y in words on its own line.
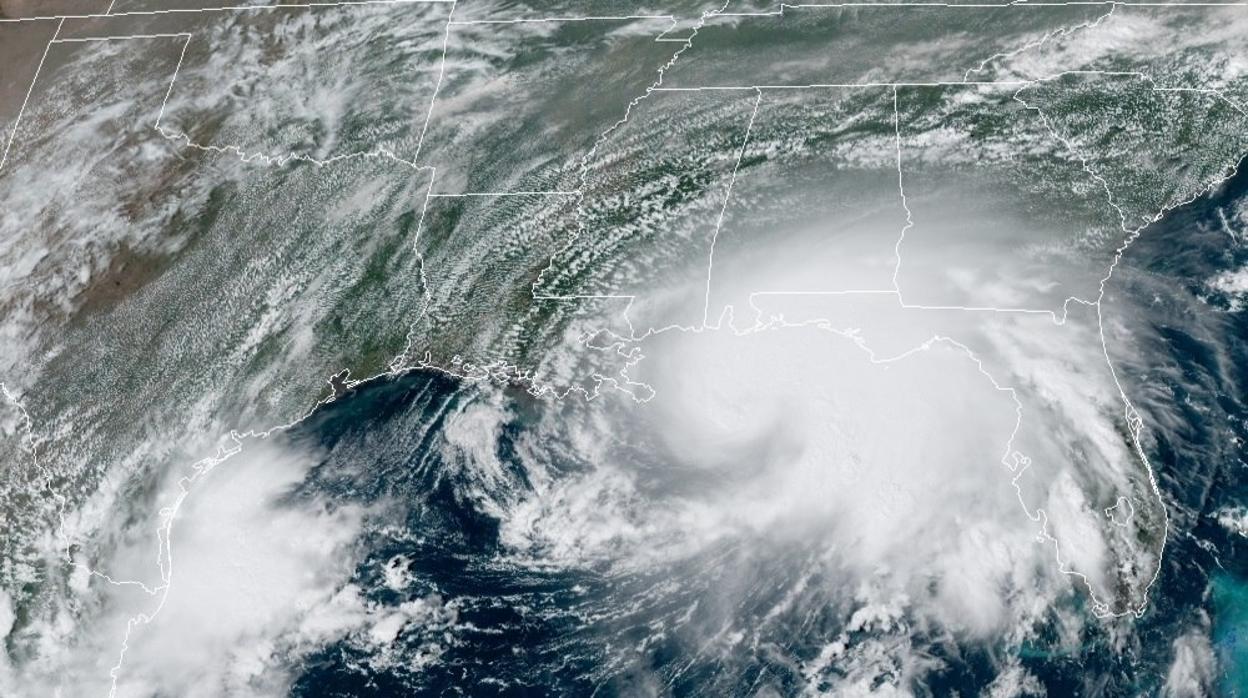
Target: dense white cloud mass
column 254, row 582
column 1193, row 670
column 815, row 364
column 796, row 432
column 875, row 431
column 246, row 567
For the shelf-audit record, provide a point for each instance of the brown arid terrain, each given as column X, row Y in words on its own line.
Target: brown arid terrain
column 21, row 9
column 21, row 46
column 622, row 347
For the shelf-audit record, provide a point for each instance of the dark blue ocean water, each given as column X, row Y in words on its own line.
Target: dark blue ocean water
column 1195, row 384
column 526, row 631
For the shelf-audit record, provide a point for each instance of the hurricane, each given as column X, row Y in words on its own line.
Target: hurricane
column 674, row 348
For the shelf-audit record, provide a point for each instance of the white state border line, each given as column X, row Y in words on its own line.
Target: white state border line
column 502, row 193
column 29, row 90
column 719, row 220
column 222, row 8
column 894, row 87
column 976, row 5
column 164, row 561
column 401, row 362
column 164, row 532
column 588, row 157
column 1020, row 462
column 1057, row 318
column 582, row 18
column 577, row 18
column 122, row 37
column 1035, row 44
column 833, row 85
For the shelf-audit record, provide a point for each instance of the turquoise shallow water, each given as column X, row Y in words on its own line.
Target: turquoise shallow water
column 1230, row 632
column 509, row 629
